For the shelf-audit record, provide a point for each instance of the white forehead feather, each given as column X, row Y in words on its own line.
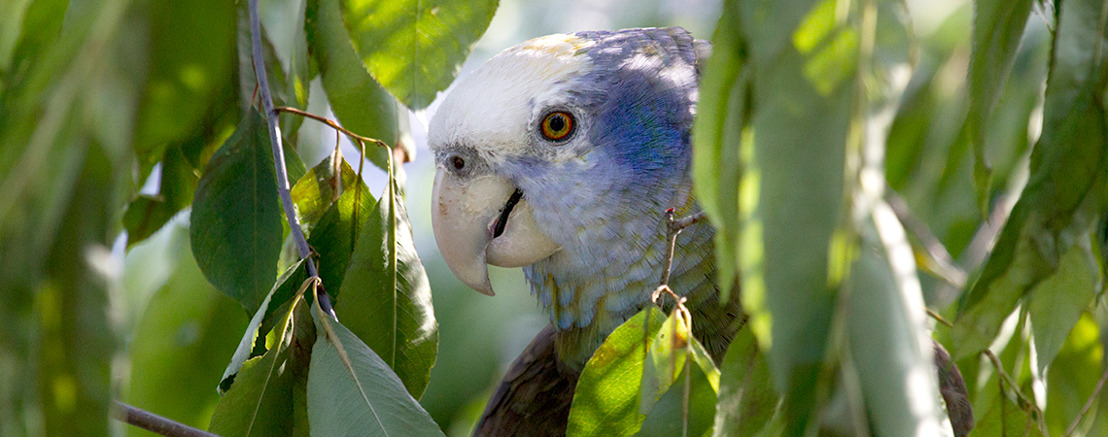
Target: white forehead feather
column 491, row 108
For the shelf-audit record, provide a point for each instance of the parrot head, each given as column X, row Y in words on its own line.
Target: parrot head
column 560, row 155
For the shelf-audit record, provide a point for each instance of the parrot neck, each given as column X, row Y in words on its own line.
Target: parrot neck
column 592, row 288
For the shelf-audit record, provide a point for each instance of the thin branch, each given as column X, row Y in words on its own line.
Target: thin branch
column 674, row 227
column 939, row 257
column 279, row 153
column 153, row 422
column 1028, row 406
column 1088, row 404
column 939, row 318
column 332, row 124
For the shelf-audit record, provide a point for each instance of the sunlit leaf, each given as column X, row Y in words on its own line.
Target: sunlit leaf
column 667, row 418
column 246, row 344
column 236, row 219
column 318, row 188
column 261, row 401
column 1073, row 376
column 336, row 234
column 716, row 141
column 352, row 391
column 385, row 297
column 792, row 188
column 415, row 47
column 890, row 351
column 359, row 102
column 606, row 402
column 1062, row 197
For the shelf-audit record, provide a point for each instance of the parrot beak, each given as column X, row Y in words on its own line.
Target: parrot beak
column 484, row 220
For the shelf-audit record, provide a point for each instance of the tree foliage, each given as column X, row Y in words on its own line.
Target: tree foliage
column 861, row 173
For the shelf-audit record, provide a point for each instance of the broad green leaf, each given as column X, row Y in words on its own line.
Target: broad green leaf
column 716, row 141
column 146, row 214
column 29, row 28
column 385, row 296
column 889, row 348
column 667, row 418
column 181, row 344
column 1062, row 197
column 236, row 219
column 606, row 401
column 1059, row 300
column 747, row 399
column 321, row 186
column 792, row 188
column 664, row 361
column 335, row 236
column 187, row 69
column 997, row 28
column 415, row 47
column 359, row 102
column 262, row 400
column 352, row 391
column 253, row 329
column 1072, row 377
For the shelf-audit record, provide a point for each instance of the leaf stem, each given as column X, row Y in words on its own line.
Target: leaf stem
column 153, row 422
column 1088, row 404
column 279, row 153
column 332, row 124
column 674, row 227
column 1026, row 405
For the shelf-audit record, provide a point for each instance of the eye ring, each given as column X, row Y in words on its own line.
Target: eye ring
column 558, row 126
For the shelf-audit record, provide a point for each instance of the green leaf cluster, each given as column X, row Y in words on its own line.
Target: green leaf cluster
column 138, row 116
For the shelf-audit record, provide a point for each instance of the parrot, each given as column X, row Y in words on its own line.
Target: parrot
column 559, row 156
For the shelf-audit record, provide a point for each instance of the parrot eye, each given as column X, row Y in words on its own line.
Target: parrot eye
column 557, row 126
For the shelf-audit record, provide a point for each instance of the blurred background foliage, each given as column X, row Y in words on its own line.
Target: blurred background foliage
column 110, row 109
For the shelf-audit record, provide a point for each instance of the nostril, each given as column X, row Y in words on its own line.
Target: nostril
column 457, row 162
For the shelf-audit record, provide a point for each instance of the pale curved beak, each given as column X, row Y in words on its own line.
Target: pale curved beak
column 465, row 213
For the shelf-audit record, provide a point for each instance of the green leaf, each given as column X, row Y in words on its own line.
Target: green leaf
column 1073, row 376
column 242, row 352
column 262, row 400
column 352, row 391
column 385, row 296
column 997, row 28
column 321, row 186
column 664, row 361
column 146, row 214
column 1059, row 300
column 335, row 236
column 415, row 47
column 358, row 101
column 1062, row 197
column 187, row 70
column 747, row 399
column 181, row 343
column 606, row 401
column 716, row 141
column 667, row 418
column 792, row 188
column 889, row 348
column 236, row 221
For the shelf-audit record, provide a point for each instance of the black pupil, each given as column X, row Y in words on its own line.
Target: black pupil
column 458, row 162
column 557, row 122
